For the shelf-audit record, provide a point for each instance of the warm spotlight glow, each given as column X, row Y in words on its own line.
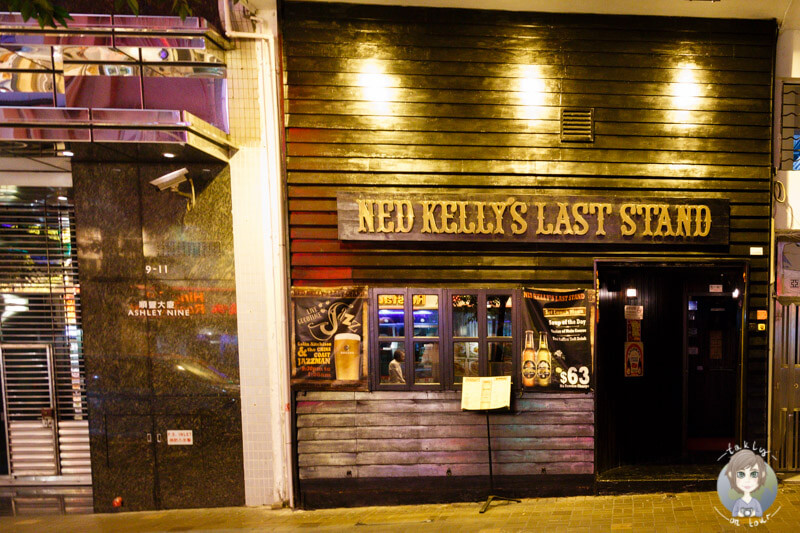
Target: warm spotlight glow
column 531, row 91
column 375, row 86
column 686, row 90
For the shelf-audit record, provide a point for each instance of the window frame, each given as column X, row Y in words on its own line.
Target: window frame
column 409, row 338
column 483, row 337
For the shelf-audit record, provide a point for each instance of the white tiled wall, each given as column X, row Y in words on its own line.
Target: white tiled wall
column 261, row 303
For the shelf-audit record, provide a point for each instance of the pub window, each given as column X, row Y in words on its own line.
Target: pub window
column 483, row 333
column 431, row 339
column 406, row 347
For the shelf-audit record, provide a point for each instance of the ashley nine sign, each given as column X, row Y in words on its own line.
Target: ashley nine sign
column 532, row 218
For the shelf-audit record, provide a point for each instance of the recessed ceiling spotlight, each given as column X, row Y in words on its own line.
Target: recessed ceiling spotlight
column 62, row 198
column 67, row 153
column 168, row 155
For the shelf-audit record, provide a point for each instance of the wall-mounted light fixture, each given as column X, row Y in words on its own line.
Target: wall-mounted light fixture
column 630, row 293
column 171, row 181
column 735, row 292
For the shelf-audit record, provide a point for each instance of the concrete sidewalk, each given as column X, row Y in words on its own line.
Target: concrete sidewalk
column 694, row 511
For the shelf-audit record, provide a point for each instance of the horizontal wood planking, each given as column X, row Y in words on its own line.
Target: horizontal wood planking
column 300, row 79
column 442, row 444
column 467, row 125
column 432, row 418
column 483, row 166
column 454, row 118
column 673, row 113
column 510, row 99
column 401, row 434
column 416, row 44
column 549, row 140
column 453, row 23
column 421, row 470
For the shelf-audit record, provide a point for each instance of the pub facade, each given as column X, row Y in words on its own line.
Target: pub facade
column 579, row 202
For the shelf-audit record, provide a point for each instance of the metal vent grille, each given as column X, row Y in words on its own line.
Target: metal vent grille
column 577, row 124
column 39, row 294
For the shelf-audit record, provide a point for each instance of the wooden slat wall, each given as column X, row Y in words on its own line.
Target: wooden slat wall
column 455, row 119
column 411, row 434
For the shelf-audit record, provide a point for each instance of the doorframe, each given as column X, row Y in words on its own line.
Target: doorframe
column 707, row 262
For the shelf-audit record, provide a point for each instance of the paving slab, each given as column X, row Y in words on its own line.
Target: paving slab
column 657, row 513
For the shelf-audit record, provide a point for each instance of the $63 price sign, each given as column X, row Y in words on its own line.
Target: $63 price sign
column 575, row 376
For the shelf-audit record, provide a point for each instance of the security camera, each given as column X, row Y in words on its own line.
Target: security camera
column 171, row 180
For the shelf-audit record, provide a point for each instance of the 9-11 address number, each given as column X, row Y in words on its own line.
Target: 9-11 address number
column 158, row 269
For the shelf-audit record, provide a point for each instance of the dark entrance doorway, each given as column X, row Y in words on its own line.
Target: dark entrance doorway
column 683, row 408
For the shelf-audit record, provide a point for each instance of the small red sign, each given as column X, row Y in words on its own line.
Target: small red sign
column 180, row 437
column 634, row 359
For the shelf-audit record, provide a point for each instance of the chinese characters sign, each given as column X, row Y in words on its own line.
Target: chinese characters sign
column 180, row 437
column 183, row 302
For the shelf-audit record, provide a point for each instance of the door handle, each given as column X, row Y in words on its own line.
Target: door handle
column 158, row 437
column 149, row 437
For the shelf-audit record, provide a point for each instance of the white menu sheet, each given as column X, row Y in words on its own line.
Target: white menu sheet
column 479, row 394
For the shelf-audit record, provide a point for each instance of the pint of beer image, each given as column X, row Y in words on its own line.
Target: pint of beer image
column 347, row 356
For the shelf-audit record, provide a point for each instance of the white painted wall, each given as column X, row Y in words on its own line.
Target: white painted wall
column 260, row 254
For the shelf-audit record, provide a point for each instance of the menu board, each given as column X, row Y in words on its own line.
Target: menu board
column 328, row 337
column 481, row 394
column 562, row 321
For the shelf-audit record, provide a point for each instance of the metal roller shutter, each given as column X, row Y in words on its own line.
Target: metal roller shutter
column 40, row 317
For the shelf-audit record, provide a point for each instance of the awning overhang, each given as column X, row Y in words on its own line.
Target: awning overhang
column 143, row 135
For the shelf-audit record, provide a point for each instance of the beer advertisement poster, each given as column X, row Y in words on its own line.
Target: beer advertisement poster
column 562, row 322
column 329, row 349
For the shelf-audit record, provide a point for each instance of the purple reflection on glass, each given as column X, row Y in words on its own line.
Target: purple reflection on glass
column 103, row 91
column 206, row 98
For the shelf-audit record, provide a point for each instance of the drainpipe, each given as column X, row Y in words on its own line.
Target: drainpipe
column 269, row 90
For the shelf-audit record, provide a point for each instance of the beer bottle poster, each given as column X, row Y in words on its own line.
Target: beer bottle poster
column 329, row 323
column 562, row 322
